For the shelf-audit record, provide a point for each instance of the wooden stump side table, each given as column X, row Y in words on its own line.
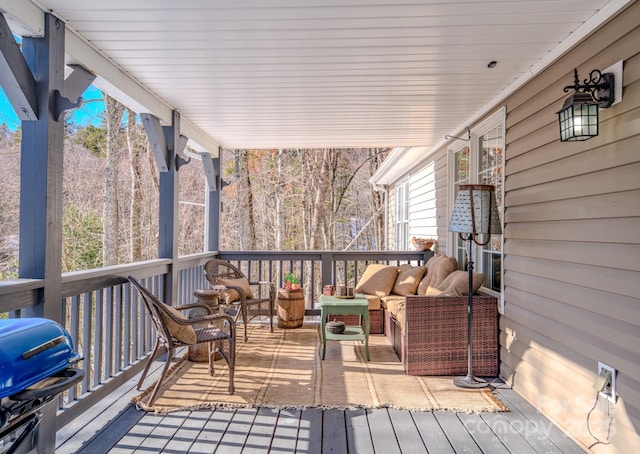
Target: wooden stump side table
column 290, row 308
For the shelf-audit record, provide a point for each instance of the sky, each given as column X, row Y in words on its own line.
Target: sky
column 87, row 114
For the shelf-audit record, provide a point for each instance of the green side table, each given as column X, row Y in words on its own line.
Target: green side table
column 332, row 305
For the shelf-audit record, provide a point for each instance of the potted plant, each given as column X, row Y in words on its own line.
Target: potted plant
column 291, row 282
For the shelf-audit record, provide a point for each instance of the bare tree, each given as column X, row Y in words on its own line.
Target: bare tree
column 9, row 205
column 135, row 166
column 247, row 227
column 376, row 156
column 319, row 206
column 111, row 220
column 279, row 200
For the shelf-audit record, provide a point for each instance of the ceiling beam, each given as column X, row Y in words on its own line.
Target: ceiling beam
column 24, row 18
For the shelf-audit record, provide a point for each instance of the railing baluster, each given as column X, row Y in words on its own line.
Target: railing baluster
column 108, row 335
column 74, row 332
column 118, row 319
column 97, row 339
column 126, row 360
column 135, row 322
column 87, row 340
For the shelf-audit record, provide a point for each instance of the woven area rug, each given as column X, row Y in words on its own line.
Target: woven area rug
column 283, row 369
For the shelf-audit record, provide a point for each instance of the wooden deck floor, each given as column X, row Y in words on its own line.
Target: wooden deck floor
column 260, row 430
column 115, row 426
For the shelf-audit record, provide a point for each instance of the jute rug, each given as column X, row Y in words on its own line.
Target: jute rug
column 283, row 369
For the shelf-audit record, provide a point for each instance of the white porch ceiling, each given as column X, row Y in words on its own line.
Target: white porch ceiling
column 322, row 73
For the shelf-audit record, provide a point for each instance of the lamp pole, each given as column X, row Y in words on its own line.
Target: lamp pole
column 469, row 381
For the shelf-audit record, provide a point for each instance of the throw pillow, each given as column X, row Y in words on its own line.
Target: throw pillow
column 457, row 283
column 438, row 268
column 377, row 279
column 231, row 295
column 408, row 279
column 184, row 333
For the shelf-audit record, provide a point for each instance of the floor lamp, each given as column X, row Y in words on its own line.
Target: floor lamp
column 474, row 213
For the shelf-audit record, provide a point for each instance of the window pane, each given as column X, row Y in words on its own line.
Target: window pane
column 490, row 157
column 402, row 216
column 461, row 176
column 461, row 170
column 481, row 162
column 490, row 164
column 491, row 267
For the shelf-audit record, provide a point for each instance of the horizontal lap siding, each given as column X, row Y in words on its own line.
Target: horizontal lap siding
column 422, row 203
column 428, row 209
column 572, row 245
column 442, row 193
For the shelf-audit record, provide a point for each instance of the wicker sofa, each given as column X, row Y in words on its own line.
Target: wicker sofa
column 429, row 335
column 423, row 311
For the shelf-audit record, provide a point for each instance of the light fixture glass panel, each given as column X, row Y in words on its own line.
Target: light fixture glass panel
column 578, row 118
column 475, row 210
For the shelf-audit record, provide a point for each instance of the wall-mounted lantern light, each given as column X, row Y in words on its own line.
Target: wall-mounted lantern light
column 579, row 115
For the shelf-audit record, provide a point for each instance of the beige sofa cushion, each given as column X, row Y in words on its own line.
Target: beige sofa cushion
column 184, row 333
column 408, row 279
column 401, row 316
column 457, row 283
column 377, row 279
column 231, row 295
column 374, row 302
column 393, row 305
column 438, row 268
column 432, row 291
column 384, row 301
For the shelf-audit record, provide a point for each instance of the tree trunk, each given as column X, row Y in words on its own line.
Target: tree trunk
column 378, row 199
column 279, row 199
column 113, row 119
column 135, row 165
column 247, row 226
column 318, row 219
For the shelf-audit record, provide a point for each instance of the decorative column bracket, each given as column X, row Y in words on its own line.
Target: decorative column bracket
column 158, row 139
column 209, row 171
column 21, row 87
column 62, row 105
column 16, row 77
column 182, row 144
column 74, row 85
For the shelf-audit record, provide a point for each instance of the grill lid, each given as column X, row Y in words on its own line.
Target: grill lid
column 32, row 349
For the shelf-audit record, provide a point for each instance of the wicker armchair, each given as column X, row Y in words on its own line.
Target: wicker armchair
column 174, row 330
column 221, row 272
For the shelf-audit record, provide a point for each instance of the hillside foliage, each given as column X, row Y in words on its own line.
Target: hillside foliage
column 294, row 199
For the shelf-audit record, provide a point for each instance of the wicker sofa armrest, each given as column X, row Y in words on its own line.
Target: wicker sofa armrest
column 434, row 335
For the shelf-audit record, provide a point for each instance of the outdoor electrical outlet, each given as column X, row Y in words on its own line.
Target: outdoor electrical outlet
column 606, row 381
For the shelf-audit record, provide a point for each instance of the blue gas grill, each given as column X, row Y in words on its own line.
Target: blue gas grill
column 36, row 365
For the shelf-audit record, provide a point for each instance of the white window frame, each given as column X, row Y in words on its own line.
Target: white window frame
column 495, row 120
column 401, row 228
